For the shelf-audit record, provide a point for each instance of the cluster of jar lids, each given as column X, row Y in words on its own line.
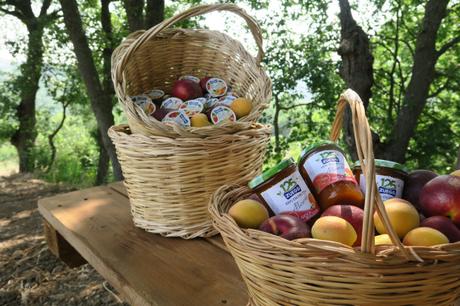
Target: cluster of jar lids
column 194, row 102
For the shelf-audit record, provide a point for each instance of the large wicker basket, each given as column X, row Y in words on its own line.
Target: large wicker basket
column 316, row 272
column 157, row 57
column 170, row 180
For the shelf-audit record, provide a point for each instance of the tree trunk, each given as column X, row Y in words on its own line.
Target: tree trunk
column 107, row 51
column 154, row 12
column 276, row 125
column 356, row 69
column 103, row 161
column 423, row 73
column 24, row 137
column 107, row 87
column 101, row 103
column 134, row 12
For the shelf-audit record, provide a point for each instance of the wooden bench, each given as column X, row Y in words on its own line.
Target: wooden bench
column 94, row 225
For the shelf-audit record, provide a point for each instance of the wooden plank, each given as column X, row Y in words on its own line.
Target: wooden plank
column 119, row 187
column 61, row 248
column 146, row 269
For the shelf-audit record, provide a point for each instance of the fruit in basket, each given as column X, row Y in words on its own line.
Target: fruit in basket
column 424, row 236
column 382, row 239
column 414, row 184
column 403, row 217
column 203, row 82
column 200, row 120
column 186, row 90
column 441, row 197
column 286, row 226
column 444, row 225
column 248, row 213
column 160, row 113
column 241, row 107
column 352, row 214
column 456, row 172
column 255, row 197
column 334, row 229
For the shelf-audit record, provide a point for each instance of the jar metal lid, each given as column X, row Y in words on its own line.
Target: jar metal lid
column 385, row 164
column 314, row 146
column 266, row 175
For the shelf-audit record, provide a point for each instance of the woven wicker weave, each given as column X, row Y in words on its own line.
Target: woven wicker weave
column 317, row 272
column 157, row 57
column 170, row 181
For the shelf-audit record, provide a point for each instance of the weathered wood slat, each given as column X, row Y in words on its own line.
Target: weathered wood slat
column 146, row 269
column 61, row 248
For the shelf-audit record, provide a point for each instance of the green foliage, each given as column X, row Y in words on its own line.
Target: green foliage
column 300, row 40
column 9, row 101
column 77, row 152
column 305, row 83
column 393, row 48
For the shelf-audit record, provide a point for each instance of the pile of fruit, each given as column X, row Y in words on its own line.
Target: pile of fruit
column 194, row 102
column 317, row 198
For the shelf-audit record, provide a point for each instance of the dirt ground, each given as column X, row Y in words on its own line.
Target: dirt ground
column 29, row 273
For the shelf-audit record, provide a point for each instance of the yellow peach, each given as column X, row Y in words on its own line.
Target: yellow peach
column 241, row 107
column 248, row 213
column 424, row 236
column 199, row 120
column 334, row 229
column 382, row 239
column 403, row 217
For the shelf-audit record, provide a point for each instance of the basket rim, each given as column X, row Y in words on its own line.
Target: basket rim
column 122, row 130
column 151, row 125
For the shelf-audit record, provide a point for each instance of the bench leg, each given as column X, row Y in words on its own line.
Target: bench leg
column 61, row 248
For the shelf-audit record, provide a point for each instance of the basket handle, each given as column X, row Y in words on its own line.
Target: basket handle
column 192, row 12
column 364, row 147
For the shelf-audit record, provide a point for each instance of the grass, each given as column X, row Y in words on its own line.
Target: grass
column 8, row 160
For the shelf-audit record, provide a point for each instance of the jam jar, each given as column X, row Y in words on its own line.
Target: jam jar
column 283, row 190
column 327, row 173
column 389, row 176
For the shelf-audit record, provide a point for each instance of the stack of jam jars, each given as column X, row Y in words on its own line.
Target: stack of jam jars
column 321, row 178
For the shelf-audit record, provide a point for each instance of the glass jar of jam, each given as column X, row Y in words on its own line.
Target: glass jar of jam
column 326, row 171
column 389, row 176
column 283, row 190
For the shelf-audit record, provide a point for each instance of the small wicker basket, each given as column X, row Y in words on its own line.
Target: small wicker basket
column 157, row 57
column 170, row 180
column 316, row 272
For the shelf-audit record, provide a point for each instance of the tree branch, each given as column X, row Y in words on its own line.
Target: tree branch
column 54, row 133
column 448, row 45
column 45, row 6
column 440, row 89
column 14, row 13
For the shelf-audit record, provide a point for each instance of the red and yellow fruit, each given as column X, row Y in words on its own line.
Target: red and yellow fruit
column 424, row 236
column 199, row 120
column 441, row 197
column 286, row 226
column 383, row 239
column 403, row 217
column 444, row 225
column 186, row 90
column 353, row 214
column 248, row 213
column 414, row 184
column 334, row 229
column 241, row 107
